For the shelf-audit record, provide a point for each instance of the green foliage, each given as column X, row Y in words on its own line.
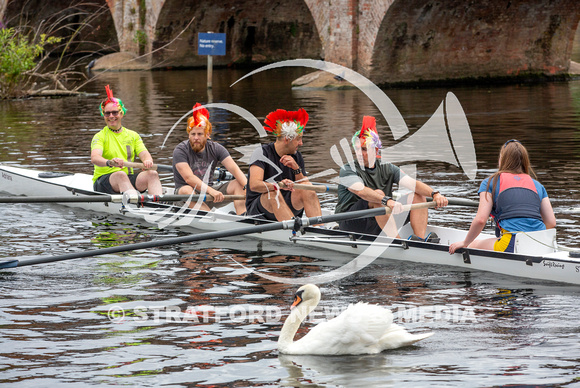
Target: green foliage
column 18, row 57
column 293, row 30
column 141, row 39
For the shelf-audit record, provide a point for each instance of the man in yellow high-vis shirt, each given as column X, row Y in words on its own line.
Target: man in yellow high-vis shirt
column 112, row 147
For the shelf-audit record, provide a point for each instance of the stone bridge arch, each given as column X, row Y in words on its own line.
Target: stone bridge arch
column 462, row 39
column 257, row 31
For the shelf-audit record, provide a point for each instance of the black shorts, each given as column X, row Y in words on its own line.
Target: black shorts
column 367, row 225
column 255, row 208
column 103, row 185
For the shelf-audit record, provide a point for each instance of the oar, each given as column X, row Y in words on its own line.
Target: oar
column 318, row 187
column 116, row 198
column 159, row 167
column 460, row 202
column 324, row 188
column 294, row 224
column 452, row 201
column 220, row 174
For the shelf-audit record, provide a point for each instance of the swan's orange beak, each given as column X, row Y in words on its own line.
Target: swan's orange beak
column 297, row 301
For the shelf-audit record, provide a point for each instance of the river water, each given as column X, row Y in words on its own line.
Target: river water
column 63, row 323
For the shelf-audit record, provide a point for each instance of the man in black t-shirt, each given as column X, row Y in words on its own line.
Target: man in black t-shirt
column 281, row 162
column 368, row 183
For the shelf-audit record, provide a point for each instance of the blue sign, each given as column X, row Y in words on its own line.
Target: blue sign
column 209, row 43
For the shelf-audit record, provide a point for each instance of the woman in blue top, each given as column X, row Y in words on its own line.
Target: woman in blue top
column 516, row 201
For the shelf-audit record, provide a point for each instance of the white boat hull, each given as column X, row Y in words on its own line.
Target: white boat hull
column 547, row 264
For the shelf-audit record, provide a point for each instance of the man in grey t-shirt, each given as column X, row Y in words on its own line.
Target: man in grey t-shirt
column 370, row 185
column 195, row 159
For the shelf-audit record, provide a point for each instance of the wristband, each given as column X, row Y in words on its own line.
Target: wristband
column 434, row 192
column 108, row 163
column 297, row 171
column 385, row 200
column 275, row 187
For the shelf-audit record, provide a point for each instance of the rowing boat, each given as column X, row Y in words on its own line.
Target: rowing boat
column 537, row 254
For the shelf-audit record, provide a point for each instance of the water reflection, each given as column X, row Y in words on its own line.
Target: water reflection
column 346, row 371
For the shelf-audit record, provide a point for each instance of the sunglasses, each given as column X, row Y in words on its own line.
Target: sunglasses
column 112, row 113
column 511, row 141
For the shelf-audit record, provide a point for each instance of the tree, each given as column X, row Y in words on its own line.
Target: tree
column 45, row 45
column 18, row 59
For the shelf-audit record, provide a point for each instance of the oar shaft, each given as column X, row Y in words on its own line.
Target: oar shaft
column 452, row 201
column 116, row 198
column 462, row 202
column 172, row 198
column 325, row 188
column 195, row 197
column 294, row 224
column 71, row 198
column 154, row 244
column 319, row 188
column 158, row 167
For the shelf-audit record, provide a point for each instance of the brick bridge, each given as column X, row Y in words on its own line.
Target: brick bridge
column 385, row 40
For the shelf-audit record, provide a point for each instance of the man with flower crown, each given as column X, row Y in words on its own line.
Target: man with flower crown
column 114, row 145
column 195, row 159
column 281, row 162
column 368, row 182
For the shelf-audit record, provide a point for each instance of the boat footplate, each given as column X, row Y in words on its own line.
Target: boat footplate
column 351, row 237
column 466, row 258
column 575, row 254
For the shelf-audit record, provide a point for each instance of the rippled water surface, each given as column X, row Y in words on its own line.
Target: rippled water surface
column 190, row 315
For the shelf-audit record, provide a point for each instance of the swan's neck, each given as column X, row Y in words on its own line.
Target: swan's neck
column 292, row 323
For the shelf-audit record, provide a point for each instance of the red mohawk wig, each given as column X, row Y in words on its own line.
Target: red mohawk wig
column 111, row 100
column 200, row 118
column 368, row 133
column 286, row 123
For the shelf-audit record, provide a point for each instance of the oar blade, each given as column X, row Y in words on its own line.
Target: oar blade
column 9, row 264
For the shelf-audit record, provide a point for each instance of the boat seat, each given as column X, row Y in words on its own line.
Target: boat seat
column 536, row 243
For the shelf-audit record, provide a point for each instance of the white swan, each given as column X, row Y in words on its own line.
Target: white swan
column 360, row 329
